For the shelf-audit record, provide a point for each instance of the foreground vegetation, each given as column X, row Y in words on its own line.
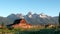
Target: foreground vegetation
column 54, row 30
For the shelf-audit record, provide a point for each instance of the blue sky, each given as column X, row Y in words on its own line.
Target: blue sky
column 49, row 7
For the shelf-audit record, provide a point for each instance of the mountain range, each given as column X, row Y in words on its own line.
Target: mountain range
column 34, row 19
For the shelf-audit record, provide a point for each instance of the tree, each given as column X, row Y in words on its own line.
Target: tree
column 2, row 27
column 59, row 18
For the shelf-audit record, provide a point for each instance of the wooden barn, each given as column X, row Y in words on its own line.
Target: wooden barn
column 20, row 23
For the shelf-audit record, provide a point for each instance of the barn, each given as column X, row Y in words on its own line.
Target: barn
column 20, row 23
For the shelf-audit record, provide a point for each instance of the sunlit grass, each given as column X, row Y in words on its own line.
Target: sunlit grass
column 30, row 30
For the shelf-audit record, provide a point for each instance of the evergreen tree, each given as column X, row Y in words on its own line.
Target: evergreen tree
column 59, row 18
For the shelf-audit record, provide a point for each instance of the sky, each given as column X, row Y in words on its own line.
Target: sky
column 49, row 7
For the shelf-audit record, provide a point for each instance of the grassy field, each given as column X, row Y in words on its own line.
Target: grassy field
column 30, row 31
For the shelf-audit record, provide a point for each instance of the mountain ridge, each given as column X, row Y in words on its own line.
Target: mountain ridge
column 34, row 19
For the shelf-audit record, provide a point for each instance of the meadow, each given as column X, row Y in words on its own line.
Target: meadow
column 54, row 30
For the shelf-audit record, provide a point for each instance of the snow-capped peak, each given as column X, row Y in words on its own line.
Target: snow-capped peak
column 42, row 15
column 30, row 14
column 20, row 16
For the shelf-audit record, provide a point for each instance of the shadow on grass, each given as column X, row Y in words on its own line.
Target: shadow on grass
column 42, row 31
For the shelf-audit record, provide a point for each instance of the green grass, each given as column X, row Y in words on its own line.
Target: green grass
column 31, row 31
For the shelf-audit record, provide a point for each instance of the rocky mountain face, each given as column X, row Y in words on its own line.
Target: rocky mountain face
column 34, row 19
column 5, row 21
column 40, row 19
